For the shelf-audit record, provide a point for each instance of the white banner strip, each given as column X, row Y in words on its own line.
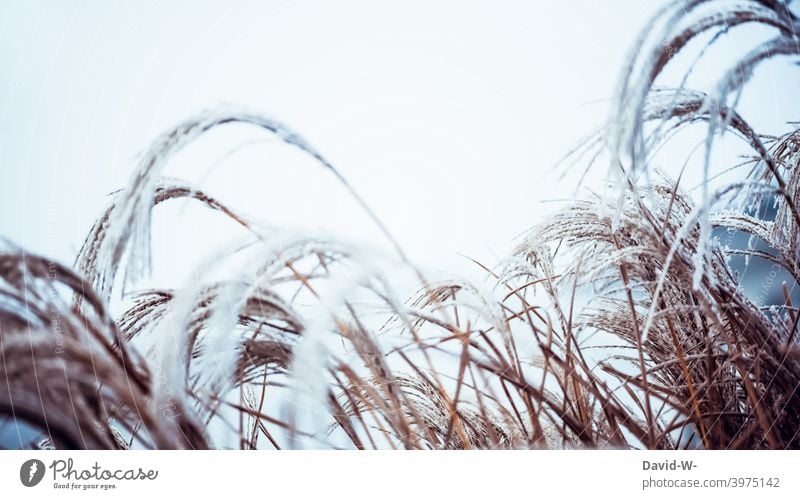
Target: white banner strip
column 371, row 474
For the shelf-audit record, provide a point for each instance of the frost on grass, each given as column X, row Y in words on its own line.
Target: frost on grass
column 621, row 320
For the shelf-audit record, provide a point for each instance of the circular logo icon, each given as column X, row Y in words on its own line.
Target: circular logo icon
column 31, row 472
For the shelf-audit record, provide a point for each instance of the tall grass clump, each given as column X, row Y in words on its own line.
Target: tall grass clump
column 620, row 320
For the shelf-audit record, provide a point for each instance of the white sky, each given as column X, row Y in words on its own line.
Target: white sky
column 447, row 116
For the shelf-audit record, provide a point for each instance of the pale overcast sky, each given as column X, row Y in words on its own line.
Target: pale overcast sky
column 447, row 116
